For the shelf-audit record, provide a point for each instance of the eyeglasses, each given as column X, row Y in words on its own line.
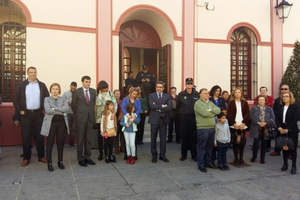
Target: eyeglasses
column 284, row 88
column 189, row 83
column 285, row 96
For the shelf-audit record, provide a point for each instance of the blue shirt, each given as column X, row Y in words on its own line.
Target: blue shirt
column 32, row 96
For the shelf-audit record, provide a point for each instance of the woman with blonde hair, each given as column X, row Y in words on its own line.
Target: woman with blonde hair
column 238, row 116
column 287, row 126
column 55, row 124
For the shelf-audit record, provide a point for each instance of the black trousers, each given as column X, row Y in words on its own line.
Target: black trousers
column 174, row 121
column 84, row 145
column 263, row 145
column 188, row 133
column 31, row 127
column 162, row 128
column 57, row 130
column 141, row 128
column 293, row 153
column 100, row 140
column 72, row 127
column 108, row 145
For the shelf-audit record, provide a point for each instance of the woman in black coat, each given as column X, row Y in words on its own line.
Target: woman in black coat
column 287, row 125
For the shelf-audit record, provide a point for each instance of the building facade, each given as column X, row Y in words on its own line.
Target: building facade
column 231, row 43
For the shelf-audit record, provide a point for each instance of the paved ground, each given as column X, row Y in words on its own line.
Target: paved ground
column 144, row 180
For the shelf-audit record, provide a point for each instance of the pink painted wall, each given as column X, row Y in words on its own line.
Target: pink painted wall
column 277, row 51
column 104, row 41
column 188, row 36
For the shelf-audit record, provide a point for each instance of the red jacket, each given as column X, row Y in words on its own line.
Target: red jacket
column 231, row 112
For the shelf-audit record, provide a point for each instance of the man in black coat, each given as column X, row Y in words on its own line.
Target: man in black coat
column 160, row 105
column 29, row 102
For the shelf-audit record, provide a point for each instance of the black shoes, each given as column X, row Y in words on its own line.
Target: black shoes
column 154, row 159
column 100, row 157
column 262, row 162
column 89, row 161
column 252, row 160
column 221, row 167
column 112, row 159
column 212, row 166
column 50, row 168
column 202, row 169
column 107, row 159
column 294, row 170
column 61, row 165
column 182, row 158
column 82, row 163
column 226, row 167
column 163, row 159
column 284, row 167
column 169, row 141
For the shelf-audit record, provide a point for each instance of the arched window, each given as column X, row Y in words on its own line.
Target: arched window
column 13, row 48
column 242, row 59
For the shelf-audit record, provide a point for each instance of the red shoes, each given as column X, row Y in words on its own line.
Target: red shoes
column 130, row 160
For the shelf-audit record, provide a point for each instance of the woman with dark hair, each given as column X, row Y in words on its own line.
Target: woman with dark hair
column 238, row 116
column 215, row 97
column 262, row 117
column 103, row 95
column 143, row 114
column 286, row 122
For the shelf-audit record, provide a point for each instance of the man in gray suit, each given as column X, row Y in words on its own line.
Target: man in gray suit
column 83, row 103
column 160, row 105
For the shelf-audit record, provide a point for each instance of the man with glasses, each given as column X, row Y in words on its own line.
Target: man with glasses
column 187, row 121
column 276, row 108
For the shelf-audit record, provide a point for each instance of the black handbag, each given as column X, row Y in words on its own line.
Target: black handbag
column 272, row 130
column 285, row 143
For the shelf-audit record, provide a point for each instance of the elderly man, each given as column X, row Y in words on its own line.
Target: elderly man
column 205, row 112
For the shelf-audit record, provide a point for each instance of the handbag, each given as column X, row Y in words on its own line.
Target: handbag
column 285, row 143
column 272, row 130
column 111, row 132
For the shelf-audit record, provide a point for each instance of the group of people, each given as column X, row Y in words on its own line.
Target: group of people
column 206, row 123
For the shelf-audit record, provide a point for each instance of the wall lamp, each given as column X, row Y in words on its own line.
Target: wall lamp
column 207, row 5
column 283, row 9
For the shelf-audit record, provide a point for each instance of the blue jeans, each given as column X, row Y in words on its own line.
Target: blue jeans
column 222, row 149
column 205, row 144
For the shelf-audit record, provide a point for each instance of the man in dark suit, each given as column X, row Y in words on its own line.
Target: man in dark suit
column 83, row 103
column 29, row 103
column 160, row 105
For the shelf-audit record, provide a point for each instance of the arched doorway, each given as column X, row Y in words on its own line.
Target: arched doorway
column 140, row 45
column 12, row 49
column 243, row 50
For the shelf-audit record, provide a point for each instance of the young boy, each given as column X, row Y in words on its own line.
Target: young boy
column 222, row 140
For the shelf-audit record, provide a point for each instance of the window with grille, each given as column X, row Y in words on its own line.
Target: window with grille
column 240, row 76
column 13, row 48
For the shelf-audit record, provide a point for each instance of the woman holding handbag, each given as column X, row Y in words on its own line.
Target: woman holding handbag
column 261, row 117
column 238, row 118
column 287, row 126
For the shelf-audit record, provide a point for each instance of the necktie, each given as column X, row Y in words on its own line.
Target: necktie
column 159, row 97
column 87, row 98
